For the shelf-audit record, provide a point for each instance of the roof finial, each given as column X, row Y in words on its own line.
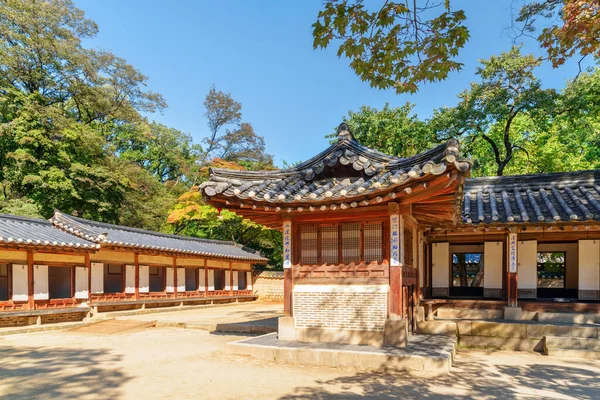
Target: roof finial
column 344, row 133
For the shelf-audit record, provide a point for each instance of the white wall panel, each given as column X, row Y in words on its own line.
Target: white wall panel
column 211, row 279
column 81, row 283
column 40, row 282
column 440, row 265
column 144, row 279
column 97, row 278
column 589, row 265
column 202, row 280
column 527, row 262
column 130, row 279
column 249, row 280
column 170, row 280
column 19, row 282
column 235, row 279
column 492, row 265
column 227, row 281
column 181, row 280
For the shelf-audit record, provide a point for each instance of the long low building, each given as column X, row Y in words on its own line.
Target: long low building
column 71, row 262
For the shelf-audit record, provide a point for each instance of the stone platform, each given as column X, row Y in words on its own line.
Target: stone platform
column 424, row 353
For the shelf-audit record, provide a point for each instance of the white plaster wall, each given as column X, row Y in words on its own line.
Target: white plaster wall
column 235, row 280
column 211, row 279
column 249, row 280
column 492, row 265
column 40, row 282
column 19, row 282
column 181, row 280
column 440, row 265
column 589, row 265
column 527, row 264
column 97, row 278
column 227, row 281
column 144, row 279
column 130, row 279
column 81, row 283
column 170, row 279
column 202, row 280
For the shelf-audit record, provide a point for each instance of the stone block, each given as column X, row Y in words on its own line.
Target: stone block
column 501, row 343
column 437, row 328
column 541, row 330
column 513, row 313
column 395, row 333
column 420, row 314
column 464, row 328
column 346, row 336
column 498, row 329
column 286, row 329
column 569, row 318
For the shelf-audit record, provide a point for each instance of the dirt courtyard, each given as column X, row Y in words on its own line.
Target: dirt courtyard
column 191, row 364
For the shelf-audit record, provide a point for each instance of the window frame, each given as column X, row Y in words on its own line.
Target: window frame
column 361, row 240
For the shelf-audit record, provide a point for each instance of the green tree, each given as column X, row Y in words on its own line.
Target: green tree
column 487, row 110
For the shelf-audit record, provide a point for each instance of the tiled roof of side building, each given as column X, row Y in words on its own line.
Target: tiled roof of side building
column 38, row 232
column 123, row 236
column 344, row 171
column 533, row 199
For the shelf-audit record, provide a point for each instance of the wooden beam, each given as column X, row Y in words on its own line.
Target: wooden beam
column 175, row 277
column 88, row 265
column 230, row 279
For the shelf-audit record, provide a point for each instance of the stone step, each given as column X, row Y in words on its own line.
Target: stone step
column 554, row 342
column 570, row 318
column 572, row 353
column 428, row 354
column 466, row 313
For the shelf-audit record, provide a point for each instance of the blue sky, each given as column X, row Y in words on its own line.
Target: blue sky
column 261, row 52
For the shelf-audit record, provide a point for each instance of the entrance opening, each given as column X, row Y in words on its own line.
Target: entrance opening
column 552, row 275
column 219, row 279
column 467, row 274
column 60, row 282
column 113, row 278
column 4, row 295
column 157, row 279
column 242, row 285
column 191, row 279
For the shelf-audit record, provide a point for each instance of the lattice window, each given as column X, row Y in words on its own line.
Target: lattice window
column 408, row 247
column 308, row 244
column 350, row 243
column 373, row 242
column 329, row 244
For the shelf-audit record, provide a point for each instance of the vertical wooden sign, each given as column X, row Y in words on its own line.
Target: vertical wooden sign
column 512, row 253
column 287, row 244
column 395, row 240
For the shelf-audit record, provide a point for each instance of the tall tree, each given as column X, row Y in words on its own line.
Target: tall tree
column 487, row 111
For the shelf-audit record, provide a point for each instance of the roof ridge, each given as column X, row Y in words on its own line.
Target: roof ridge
column 147, row 231
column 25, row 219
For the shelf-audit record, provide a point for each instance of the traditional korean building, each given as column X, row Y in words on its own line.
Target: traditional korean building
column 70, row 265
column 369, row 236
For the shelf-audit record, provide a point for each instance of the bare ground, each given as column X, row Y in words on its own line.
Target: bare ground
column 177, row 363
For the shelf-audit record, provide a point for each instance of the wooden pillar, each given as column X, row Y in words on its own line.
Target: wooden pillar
column 512, row 284
column 396, row 308
column 287, row 268
column 88, row 265
column 174, row 277
column 205, row 278
column 230, row 279
column 418, row 260
column 30, row 300
column 136, row 264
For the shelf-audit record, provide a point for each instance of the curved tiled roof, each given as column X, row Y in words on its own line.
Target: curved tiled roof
column 345, row 171
column 542, row 198
column 124, row 236
column 38, row 232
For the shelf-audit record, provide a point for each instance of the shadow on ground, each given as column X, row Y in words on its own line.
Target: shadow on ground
column 59, row 373
column 474, row 378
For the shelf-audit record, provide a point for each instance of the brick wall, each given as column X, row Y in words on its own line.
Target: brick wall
column 342, row 307
column 268, row 285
